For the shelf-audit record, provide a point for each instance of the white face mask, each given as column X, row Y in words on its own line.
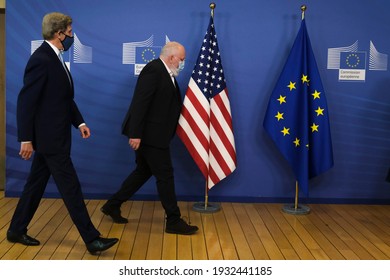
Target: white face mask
column 179, row 68
column 181, row 65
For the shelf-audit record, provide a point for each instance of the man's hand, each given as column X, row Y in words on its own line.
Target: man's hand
column 134, row 143
column 26, row 150
column 85, row 132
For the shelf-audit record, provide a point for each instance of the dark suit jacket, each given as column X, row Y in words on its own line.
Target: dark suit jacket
column 155, row 108
column 45, row 108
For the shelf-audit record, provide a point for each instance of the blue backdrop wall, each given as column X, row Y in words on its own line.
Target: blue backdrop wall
column 254, row 38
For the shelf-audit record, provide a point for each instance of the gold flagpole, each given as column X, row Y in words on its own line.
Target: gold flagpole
column 206, row 201
column 199, row 207
column 296, row 195
column 206, row 198
column 303, row 9
column 212, row 7
column 296, row 209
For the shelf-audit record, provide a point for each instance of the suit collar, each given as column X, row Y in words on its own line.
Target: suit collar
column 55, row 49
column 169, row 73
column 166, row 67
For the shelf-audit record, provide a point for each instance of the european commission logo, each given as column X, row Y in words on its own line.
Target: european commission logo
column 81, row 53
column 352, row 64
column 140, row 53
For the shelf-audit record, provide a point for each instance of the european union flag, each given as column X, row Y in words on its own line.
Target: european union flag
column 143, row 55
column 297, row 116
column 352, row 60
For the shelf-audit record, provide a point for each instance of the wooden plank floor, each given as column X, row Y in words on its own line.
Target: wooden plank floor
column 240, row 231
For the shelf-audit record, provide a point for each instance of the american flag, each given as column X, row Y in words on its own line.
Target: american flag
column 205, row 123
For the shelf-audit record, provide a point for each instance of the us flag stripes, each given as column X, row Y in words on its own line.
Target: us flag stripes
column 205, row 123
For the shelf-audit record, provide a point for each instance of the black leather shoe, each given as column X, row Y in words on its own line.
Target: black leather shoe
column 115, row 215
column 181, row 227
column 101, row 244
column 22, row 238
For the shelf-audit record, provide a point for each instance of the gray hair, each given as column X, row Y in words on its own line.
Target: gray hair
column 54, row 22
column 170, row 48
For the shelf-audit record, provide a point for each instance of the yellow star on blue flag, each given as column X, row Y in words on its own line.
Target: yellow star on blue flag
column 299, row 126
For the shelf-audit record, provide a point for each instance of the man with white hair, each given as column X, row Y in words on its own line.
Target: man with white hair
column 150, row 124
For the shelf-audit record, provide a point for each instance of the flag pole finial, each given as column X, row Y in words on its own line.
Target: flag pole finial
column 212, row 7
column 303, row 9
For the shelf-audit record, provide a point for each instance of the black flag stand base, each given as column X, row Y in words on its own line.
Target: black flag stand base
column 296, row 209
column 206, row 208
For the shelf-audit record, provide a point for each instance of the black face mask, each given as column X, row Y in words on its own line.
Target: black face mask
column 67, row 42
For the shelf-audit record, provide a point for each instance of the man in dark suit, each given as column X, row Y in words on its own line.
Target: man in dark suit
column 45, row 113
column 150, row 124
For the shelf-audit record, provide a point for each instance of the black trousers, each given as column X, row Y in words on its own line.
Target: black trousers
column 60, row 166
column 151, row 161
